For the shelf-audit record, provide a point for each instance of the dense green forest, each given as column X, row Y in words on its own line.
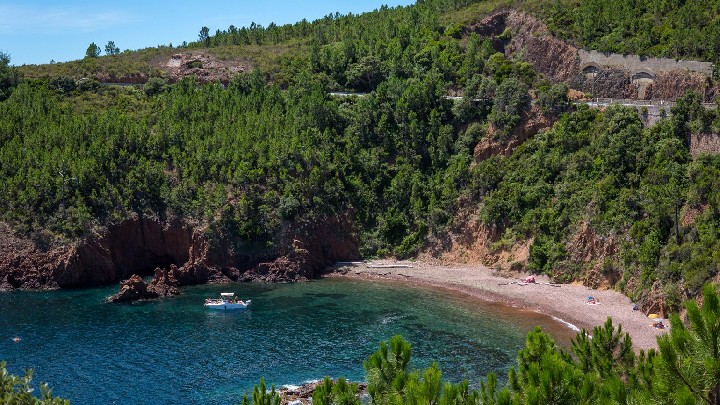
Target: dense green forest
column 673, row 29
column 273, row 147
column 606, row 169
column 389, row 41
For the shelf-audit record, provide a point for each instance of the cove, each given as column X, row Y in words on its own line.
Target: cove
column 176, row 351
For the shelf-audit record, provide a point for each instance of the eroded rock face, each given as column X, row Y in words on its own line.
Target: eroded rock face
column 531, row 37
column 532, row 121
column 133, row 289
column 164, row 284
column 310, row 249
column 615, row 76
column 587, row 246
column 204, row 67
column 135, row 246
column 549, row 55
column 674, row 84
column 177, row 253
column 704, row 143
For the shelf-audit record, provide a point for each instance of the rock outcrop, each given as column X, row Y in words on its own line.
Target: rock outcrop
column 532, row 121
column 204, row 67
column 604, row 75
column 550, row 56
column 177, row 253
column 589, row 248
column 704, row 143
column 164, row 284
column 302, row 395
column 133, row 289
column 312, row 247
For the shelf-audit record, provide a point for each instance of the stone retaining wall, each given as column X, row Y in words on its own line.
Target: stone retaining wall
column 636, row 64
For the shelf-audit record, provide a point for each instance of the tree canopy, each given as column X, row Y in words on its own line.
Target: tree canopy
column 272, row 147
column 92, row 51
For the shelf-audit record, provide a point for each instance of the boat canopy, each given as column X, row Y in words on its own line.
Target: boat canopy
column 227, row 294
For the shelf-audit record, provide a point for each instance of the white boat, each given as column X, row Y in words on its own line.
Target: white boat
column 226, row 301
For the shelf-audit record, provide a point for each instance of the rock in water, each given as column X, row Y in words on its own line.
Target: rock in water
column 133, row 289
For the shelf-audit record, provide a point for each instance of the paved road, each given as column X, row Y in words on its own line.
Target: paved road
column 603, row 102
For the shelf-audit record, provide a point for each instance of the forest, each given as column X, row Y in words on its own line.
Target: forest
column 674, row 29
column 274, row 147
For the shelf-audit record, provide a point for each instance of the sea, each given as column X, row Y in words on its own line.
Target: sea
column 173, row 350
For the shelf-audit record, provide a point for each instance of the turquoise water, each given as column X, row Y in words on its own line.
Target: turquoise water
column 176, row 351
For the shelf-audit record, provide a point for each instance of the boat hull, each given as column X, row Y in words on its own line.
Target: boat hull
column 226, row 305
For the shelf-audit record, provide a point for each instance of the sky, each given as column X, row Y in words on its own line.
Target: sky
column 41, row 31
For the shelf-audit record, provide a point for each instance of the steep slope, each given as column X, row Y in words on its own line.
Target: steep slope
column 271, row 177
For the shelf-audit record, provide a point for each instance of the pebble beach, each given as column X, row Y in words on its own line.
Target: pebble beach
column 567, row 303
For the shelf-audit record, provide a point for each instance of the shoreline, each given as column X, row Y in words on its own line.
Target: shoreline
column 564, row 303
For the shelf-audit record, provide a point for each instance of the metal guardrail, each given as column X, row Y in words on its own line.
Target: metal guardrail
column 595, row 101
column 637, row 103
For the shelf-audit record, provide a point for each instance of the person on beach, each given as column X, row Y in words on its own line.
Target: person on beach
column 530, row 279
column 659, row 324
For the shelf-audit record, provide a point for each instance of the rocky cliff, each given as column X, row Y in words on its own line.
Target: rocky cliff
column 532, row 121
column 599, row 74
column 704, row 143
column 176, row 252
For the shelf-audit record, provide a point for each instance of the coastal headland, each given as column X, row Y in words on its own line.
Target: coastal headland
column 565, row 302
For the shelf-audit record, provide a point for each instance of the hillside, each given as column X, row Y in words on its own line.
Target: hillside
column 231, row 161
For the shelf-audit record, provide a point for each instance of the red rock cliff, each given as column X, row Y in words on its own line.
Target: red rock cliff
column 141, row 246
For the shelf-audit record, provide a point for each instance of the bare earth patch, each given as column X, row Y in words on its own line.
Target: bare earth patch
column 566, row 302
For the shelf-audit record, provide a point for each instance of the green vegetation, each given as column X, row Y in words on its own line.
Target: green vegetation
column 604, row 168
column 15, row 390
column 339, row 392
column 92, row 51
column 272, row 148
column 111, row 48
column 261, row 396
column 9, row 77
column 247, row 158
column 685, row 29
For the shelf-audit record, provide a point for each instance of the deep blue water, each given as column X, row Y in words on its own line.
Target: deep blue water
column 176, row 351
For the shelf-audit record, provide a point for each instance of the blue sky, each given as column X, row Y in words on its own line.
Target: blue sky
column 35, row 32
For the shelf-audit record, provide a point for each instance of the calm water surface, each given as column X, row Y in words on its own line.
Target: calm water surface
column 176, row 351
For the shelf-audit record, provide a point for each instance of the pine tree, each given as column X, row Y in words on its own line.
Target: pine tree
column 689, row 361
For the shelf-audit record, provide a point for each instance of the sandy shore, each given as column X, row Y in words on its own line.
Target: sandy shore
column 567, row 302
